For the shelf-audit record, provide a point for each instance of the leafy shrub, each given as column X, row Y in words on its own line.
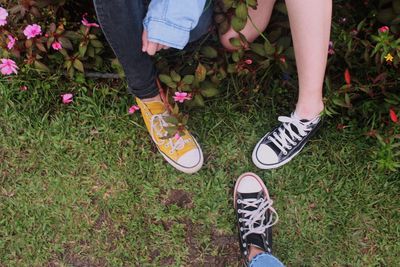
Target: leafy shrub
column 361, row 85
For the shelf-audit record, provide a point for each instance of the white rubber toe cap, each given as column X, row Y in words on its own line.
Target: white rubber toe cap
column 266, row 155
column 191, row 161
column 249, row 184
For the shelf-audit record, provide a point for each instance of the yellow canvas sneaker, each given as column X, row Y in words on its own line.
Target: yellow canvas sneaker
column 183, row 152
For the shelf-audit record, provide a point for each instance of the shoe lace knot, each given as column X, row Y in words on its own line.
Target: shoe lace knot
column 157, row 128
column 254, row 221
column 285, row 137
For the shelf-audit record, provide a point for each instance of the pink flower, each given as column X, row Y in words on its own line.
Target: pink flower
column 23, row 88
column 56, row 45
column 331, row 51
column 383, row 29
column 177, row 136
column 11, row 42
column 87, row 23
column 248, row 61
column 3, row 16
column 32, row 31
column 181, row 97
column 67, row 98
column 8, row 66
column 133, row 109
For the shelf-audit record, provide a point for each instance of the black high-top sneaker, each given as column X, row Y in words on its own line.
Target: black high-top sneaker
column 284, row 142
column 255, row 214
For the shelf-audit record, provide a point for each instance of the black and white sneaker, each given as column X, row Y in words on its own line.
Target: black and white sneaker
column 284, row 142
column 255, row 214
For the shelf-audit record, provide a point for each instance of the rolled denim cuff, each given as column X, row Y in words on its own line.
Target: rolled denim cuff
column 177, row 37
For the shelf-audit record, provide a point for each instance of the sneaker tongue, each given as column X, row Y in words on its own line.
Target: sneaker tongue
column 155, row 107
column 256, row 240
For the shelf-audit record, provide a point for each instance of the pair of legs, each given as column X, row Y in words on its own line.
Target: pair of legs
column 310, row 22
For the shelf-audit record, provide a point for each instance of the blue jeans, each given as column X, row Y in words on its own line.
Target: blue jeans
column 265, row 260
column 122, row 25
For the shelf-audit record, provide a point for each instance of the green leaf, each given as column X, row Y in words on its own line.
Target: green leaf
column 241, row 11
column 65, row 42
column 269, row 48
column 40, row 66
column 198, row 101
column 238, row 23
column 171, row 120
column 165, row 78
column 82, row 49
column 201, row 73
column 175, row 76
column 188, row 79
column 235, row 42
column 96, row 43
column 258, row 49
column 78, row 65
column 209, row 89
column 209, row 52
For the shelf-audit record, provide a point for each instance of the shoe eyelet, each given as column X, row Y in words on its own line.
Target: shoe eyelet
column 239, row 201
column 285, row 153
column 289, row 147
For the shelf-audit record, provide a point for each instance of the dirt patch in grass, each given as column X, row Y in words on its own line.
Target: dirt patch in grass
column 74, row 259
column 179, row 198
column 225, row 246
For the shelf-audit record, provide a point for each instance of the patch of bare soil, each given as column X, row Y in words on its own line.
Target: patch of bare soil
column 179, row 198
column 226, row 246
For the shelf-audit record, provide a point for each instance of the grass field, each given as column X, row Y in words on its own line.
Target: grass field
column 82, row 185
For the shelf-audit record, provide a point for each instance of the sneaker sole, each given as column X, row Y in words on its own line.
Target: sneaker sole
column 271, row 166
column 181, row 168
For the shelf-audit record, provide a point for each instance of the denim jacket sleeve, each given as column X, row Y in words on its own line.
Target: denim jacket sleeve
column 169, row 22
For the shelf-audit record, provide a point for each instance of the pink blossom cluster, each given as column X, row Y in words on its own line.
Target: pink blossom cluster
column 8, row 66
column 181, row 97
column 3, row 16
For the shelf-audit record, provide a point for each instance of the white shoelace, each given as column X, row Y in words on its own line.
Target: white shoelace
column 285, row 142
column 157, row 125
column 250, row 218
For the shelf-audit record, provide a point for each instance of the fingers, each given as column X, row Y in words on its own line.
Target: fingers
column 150, row 47
column 145, row 41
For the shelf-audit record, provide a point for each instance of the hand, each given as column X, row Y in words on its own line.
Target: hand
column 150, row 47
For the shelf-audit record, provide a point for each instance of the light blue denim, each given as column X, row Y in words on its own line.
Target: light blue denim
column 169, row 22
column 265, row 260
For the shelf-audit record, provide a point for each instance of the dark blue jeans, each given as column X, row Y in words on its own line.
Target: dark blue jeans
column 122, row 24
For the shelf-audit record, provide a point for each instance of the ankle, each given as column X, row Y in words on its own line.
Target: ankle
column 254, row 251
column 309, row 112
column 156, row 98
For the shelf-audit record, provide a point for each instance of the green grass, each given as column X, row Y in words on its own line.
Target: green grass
column 82, row 185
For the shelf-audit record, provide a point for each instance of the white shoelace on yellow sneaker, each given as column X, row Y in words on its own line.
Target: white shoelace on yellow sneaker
column 285, row 142
column 257, row 216
column 157, row 124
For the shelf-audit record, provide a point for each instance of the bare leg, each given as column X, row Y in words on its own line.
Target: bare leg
column 260, row 17
column 310, row 22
